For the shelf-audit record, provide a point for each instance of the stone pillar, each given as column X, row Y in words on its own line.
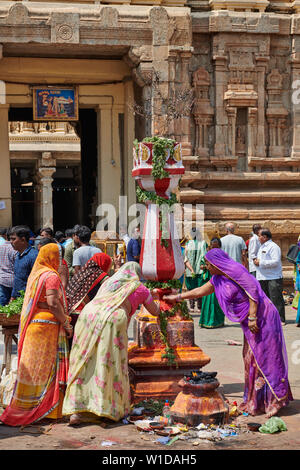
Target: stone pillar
column 185, row 119
column 172, row 90
column 203, row 111
column 108, row 154
column 128, row 141
column 221, row 121
column 5, row 185
column 252, row 121
column 231, row 111
column 295, row 80
column 261, row 65
column 45, row 179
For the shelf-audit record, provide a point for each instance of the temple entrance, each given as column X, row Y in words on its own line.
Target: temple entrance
column 53, row 170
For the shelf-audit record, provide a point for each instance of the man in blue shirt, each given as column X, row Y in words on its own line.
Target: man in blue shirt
column 19, row 238
column 134, row 247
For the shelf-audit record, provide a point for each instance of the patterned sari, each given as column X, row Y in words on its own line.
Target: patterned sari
column 85, row 284
column 267, row 386
column 42, row 348
column 98, row 381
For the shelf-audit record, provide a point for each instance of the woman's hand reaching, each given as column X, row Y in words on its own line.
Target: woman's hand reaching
column 172, row 299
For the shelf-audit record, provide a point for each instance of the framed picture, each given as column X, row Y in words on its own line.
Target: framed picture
column 55, row 103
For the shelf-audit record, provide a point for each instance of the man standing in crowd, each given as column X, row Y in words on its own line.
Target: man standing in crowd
column 253, row 247
column 134, row 246
column 269, row 270
column 68, row 237
column 233, row 245
column 85, row 250
column 3, row 232
column 19, row 238
column 70, row 248
column 7, row 261
column 47, row 232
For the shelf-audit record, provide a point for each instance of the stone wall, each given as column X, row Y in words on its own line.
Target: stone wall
column 216, row 75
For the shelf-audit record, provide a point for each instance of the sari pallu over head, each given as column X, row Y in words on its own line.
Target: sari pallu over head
column 233, row 289
column 96, row 313
column 39, row 388
column 89, row 276
column 240, row 275
column 47, row 262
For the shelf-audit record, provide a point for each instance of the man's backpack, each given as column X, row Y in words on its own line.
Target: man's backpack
column 292, row 253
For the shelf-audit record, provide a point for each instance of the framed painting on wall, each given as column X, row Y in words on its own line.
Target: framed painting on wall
column 55, row 103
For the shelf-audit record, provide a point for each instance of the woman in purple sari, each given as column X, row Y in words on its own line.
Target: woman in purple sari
column 242, row 300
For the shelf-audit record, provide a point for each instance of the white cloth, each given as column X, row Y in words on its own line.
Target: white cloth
column 126, row 239
column 233, row 246
column 253, row 247
column 269, row 256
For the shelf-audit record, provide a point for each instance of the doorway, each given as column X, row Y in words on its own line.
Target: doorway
column 74, row 186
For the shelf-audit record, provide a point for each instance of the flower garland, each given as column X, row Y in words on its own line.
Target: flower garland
column 163, row 323
column 163, row 148
column 160, row 153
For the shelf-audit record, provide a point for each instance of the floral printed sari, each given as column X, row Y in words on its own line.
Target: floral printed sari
column 98, row 381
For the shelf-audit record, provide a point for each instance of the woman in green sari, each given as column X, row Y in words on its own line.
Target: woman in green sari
column 195, row 250
column 211, row 314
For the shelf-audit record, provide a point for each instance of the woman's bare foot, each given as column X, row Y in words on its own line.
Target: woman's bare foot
column 272, row 413
column 75, row 419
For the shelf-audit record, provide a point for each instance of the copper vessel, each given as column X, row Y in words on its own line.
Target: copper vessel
column 199, row 402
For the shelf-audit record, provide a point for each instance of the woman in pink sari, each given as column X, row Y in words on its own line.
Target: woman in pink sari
column 242, row 300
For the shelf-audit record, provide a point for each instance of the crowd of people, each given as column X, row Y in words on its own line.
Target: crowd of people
column 72, row 347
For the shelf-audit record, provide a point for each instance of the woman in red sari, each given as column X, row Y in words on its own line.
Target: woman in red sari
column 43, row 356
column 85, row 284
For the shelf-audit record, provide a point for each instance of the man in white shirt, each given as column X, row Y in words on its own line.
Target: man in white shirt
column 253, row 247
column 124, row 235
column 233, row 245
column 269, row 270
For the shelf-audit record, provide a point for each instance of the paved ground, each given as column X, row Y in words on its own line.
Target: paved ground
column 227, row 361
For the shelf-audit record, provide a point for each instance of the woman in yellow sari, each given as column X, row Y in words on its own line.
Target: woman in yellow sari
column 98, row 382
column 42, row 349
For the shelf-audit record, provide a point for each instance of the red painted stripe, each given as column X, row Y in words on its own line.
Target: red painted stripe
column 143, row 241
column 165, row 259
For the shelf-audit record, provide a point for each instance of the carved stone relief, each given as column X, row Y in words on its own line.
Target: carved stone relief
column 276, row 114
column 203, row 112
column 65, row 28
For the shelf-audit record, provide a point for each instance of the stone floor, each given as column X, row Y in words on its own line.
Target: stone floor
column 227, row 361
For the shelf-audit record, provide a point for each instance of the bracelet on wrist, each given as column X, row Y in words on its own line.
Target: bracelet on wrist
column 69, row 327
column 178, row 298
column 252, row 318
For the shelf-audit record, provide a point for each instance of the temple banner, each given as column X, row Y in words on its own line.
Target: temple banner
column 55, row 103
